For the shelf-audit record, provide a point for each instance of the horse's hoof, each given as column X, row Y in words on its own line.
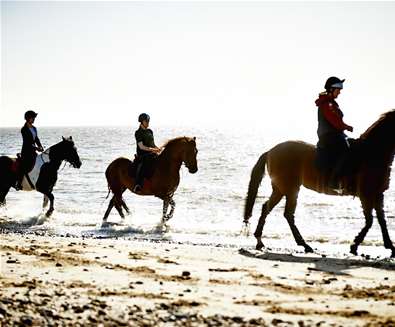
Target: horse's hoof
column 353, row 249
column 259, row 246
column 393, row 253
column 308, row 249
column 105, row 224
column 49, row 213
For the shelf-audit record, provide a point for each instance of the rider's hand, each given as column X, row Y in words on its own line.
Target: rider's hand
column 350, row 128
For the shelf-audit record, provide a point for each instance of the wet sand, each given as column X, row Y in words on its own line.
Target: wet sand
column 90, row 282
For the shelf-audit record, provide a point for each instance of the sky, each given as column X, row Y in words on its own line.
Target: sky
column 235, row 65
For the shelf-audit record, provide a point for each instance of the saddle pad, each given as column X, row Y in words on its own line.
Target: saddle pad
column 35, row 172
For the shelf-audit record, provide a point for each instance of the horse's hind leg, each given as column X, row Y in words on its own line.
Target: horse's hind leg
column 125, row 206
column 110, row 206
column 379, row 207
column 289, row 214
column 3, row 194
column 267, row 207
column 118, row 203
column 367, row 207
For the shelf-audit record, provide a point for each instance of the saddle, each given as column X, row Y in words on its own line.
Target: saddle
column 347, row 165
column 148, row 163
column 16, row 164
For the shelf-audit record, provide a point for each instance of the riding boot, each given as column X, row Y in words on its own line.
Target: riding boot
column 139, row 178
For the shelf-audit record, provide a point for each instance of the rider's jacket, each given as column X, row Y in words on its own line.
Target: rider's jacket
column 330, row 117
column 30, row 141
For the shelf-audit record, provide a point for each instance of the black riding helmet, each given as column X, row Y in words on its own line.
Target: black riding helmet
column 334, row 83
column 143, row 117
column 30, row 114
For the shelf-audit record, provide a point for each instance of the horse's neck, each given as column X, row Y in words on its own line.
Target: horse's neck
column 54, row 157
column 170, row 160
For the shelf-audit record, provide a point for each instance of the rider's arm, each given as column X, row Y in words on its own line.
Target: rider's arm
column 38, row 142
column 330, row 114
column 145, row 148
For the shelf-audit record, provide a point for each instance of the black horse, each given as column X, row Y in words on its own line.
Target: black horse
column 47, row 166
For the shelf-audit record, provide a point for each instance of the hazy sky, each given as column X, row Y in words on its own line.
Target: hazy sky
column 233, row 64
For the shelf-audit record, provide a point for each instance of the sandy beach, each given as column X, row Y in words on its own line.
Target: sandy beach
column 108, row 282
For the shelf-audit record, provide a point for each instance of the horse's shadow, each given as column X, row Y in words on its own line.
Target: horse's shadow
column 335, row 266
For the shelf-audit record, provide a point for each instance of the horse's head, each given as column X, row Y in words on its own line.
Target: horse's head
column 190, row 153
column 69, row 152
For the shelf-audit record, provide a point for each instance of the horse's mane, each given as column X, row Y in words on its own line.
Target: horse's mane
column 176, row 140
column 380, row 124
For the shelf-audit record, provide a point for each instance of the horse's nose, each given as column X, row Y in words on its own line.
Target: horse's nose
column 193, row 170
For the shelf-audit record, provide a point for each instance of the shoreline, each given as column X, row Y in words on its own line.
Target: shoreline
column 75, row 281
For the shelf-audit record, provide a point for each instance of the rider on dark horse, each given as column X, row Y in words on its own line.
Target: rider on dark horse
column 147, row 151
column 333, row 146
column 31, row 144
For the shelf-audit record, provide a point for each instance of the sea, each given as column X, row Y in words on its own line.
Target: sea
column 209, row 204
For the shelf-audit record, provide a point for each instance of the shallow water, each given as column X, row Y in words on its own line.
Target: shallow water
column 209, row 203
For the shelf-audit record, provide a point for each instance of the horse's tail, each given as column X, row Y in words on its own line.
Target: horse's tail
column 107, row 172
column 109, row 191
column 256, row 177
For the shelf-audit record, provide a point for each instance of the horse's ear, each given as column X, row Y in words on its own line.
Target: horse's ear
column 63, row 139
column 194, row 138
column 71, row 138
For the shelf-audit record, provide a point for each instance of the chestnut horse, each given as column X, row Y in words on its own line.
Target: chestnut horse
column 292, row 164
column 162, row 184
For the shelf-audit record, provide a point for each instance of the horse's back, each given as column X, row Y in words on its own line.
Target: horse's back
column 291, row 153
column 288, row 164
column 119, row 164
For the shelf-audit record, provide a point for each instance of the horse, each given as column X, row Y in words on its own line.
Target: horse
column 164, row 181
column 44, row 175
column 291, row 164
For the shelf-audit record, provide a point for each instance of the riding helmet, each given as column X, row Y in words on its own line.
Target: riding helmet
column 334, row 83
column 30, row 114
column 143, row 117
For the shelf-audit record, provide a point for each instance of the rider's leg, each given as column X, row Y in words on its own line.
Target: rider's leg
column 139, row 177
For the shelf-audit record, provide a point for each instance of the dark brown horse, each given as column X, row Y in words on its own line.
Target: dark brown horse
column 292, row 164
column 162, row 184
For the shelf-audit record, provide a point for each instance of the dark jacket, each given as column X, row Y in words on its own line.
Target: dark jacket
column 29, row 146
column 146, row 136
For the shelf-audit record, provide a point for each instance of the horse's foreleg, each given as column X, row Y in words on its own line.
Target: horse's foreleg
column 267, row 207
column 379, row 207
column 172, row 207
column 166, row 203
column 45, row 201
column 367, row 211
column 289, row 214
column 51, row 202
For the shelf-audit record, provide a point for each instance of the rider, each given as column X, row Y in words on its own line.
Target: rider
column 331, row 128
column 146, row 150
column 31, row 144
